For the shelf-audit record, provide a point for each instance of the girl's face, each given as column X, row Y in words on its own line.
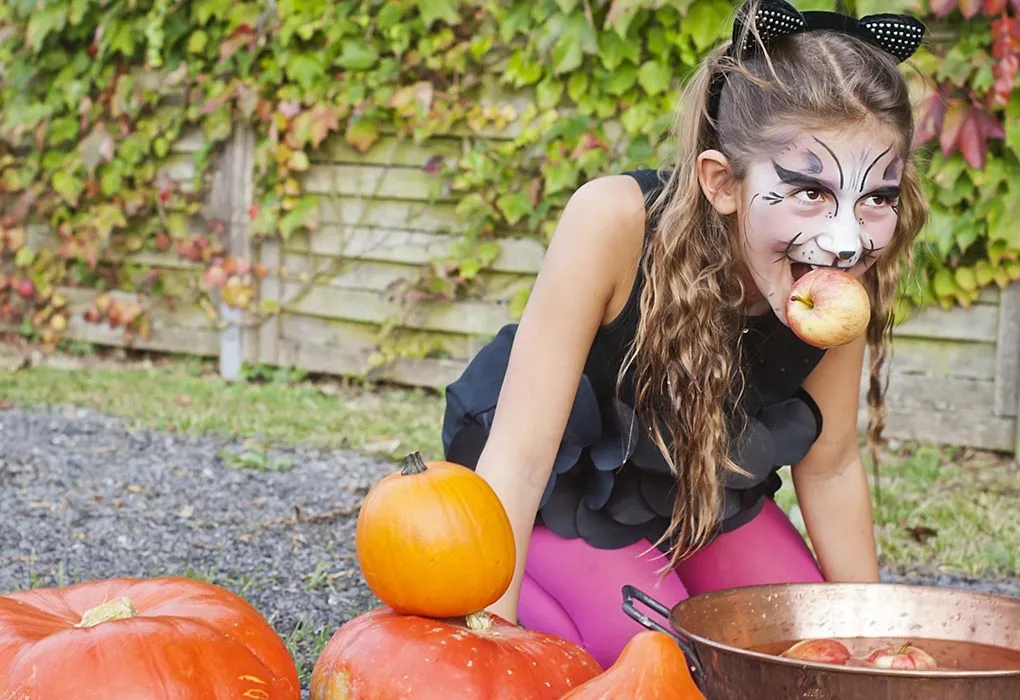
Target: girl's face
column 825, row 198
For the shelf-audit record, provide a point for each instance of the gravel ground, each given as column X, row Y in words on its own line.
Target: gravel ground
column 83, row 496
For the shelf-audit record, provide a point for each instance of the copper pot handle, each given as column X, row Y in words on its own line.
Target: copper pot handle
column 693, row 662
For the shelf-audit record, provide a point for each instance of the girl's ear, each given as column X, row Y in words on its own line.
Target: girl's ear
column 717, row 181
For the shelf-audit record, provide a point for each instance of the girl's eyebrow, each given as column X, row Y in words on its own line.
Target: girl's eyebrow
column 889, row 191
column 797, row 179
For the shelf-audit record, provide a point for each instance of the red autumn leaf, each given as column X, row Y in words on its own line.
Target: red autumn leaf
column 972, row 141
column 955, row 116
column 995, row 7
column 969, row 8
column 933, row 113
column 990, row 128
column 941, row 8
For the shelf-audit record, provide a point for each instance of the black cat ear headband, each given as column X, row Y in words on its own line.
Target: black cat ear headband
column 898, row 35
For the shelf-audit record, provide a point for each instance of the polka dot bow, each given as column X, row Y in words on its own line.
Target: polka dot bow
column 899, row 35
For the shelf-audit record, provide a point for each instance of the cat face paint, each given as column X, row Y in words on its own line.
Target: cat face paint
column 822, row 199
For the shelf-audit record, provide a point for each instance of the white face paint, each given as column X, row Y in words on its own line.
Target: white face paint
column 825, row 198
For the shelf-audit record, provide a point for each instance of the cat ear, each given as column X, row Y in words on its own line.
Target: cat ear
column 900, row 35
column 773, row 19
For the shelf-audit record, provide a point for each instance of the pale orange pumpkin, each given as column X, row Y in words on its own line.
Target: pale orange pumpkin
column 433, row 539
column 650, row 666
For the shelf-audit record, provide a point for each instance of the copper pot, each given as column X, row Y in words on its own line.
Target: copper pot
column 732, row 639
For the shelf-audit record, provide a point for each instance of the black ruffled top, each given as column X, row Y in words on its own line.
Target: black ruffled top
column 609, row 483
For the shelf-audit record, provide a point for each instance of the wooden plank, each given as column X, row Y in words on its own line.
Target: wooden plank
column 165, row 338
column 374, row 182
column 186, row 329
column 994, row 434
column 382, row 276
column 520, row 255
column 182, row 315
column 978, row 323
column 1007, row 356
column 468, row 317
column 269, row 291
column 354, row 361
column 969, row 399
column 191, row 141
column 989, row 295
column 229, row 200
column 321, row 331
column 390, row 150
column 390, row 213
column 940, row 358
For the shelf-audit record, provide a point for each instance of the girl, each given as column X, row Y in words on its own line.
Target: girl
column 633, row 422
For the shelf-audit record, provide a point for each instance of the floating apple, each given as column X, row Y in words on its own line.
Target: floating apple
column 906, row 657
column 825, row 651
column 828, row 307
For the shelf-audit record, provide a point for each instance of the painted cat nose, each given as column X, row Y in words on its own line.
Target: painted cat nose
column 846, row 254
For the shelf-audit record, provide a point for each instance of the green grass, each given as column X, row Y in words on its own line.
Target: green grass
column 188, row 396
column 943, row 509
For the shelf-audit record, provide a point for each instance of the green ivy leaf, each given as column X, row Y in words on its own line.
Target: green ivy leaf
column 707, row 22
column 306, row 69
column 1012, row 123
column 46, row 19
column 615, row 49
column 358, row 55
column 435, row 10
column 514, row 207
column 197, row 41
column 362, row 134
column 576, row 38
column 68, row 186
column 654, row 77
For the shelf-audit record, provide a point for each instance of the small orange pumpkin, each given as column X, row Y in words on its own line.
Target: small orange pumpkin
column 434, row 540
column 650, row 666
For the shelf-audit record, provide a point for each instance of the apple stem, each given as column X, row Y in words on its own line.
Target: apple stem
column 803, row 300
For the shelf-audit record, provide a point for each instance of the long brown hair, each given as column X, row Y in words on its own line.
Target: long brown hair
column 685, row 358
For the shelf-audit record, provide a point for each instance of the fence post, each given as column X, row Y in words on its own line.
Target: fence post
column 238, row 168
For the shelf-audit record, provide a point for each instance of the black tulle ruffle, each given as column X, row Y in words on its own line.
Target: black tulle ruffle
column 609, row 483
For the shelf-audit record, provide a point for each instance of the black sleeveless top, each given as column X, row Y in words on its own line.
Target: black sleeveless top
column 609, row 483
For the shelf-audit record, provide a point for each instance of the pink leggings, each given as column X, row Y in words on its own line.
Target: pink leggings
column 573, row 590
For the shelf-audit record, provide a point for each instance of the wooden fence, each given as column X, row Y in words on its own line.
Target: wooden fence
column 954, row 374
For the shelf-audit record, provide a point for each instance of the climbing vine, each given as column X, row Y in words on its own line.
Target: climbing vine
column 94, row 95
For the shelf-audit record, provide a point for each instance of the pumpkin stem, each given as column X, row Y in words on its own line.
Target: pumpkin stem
column 479, row 621
column 413, row 464
column 905, row 648
column 120, row 609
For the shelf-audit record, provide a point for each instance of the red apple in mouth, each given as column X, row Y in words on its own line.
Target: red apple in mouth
column 825, row 651
column 907, row 657
column 827, row 307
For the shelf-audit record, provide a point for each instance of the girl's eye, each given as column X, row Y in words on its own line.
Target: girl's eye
column 810, row 196
column 878, row 200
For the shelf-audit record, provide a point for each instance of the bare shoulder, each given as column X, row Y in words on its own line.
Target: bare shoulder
column 602, row 228
column 612, row 206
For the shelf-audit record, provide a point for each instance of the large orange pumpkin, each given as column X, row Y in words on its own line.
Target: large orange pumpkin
column 434, row 540
column 383, row 655
column 158, row 639
column 650, row 667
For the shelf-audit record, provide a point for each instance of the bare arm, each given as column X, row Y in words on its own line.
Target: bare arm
column 830, row 481
column 579, row 282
